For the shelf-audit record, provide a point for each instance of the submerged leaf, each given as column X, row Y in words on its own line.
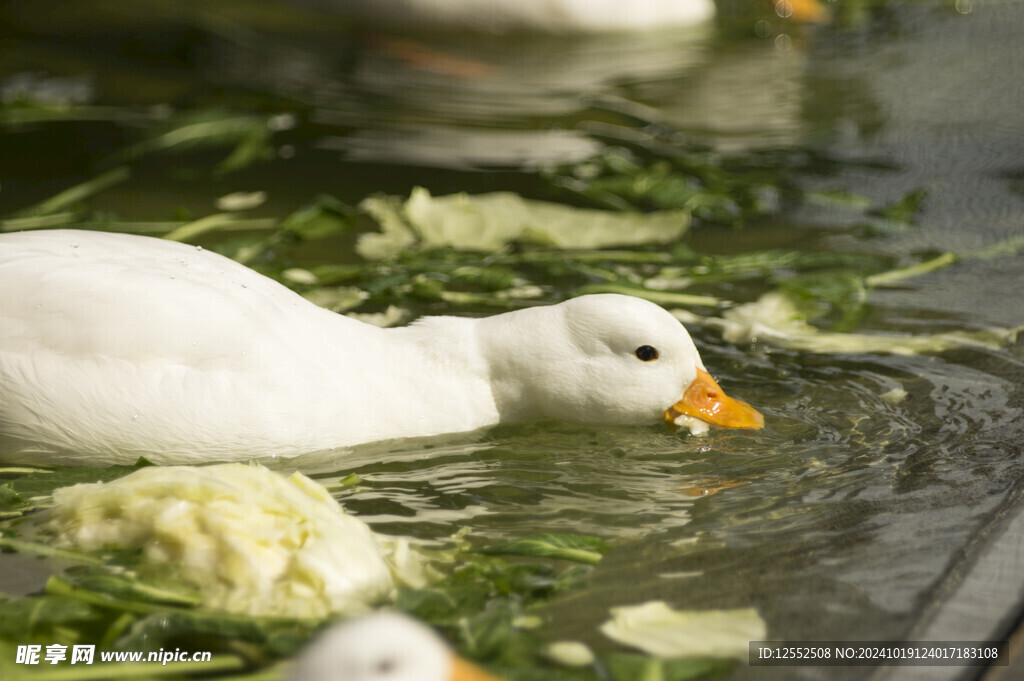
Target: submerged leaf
column 44, row 481
column 905, row 209
column 325, row 216
column 74, row 195
column 41, row 615
column 632, row 667
column 248, row 134
column 575, row 547
column 9, row 499
column 125, row 585
column 843, row 290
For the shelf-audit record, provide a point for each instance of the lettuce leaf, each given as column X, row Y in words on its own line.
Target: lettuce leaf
column 250, row 540
column 487, row 222
column 777, row 319
column 658, row 630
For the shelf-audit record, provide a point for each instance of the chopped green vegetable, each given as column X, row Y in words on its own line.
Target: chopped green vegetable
column 580, row 548
column 777, row 319
column 633, row 667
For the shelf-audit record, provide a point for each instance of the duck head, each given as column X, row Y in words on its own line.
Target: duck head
column 604, row 359
column 383, row 646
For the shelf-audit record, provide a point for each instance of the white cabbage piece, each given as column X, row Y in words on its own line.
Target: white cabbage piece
column 251, row 540
column 775, row 318
column 487, row 222
column 696, row 426
column 658, row 630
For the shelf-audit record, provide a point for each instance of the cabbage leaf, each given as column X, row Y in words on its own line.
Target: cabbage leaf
column 250, row 540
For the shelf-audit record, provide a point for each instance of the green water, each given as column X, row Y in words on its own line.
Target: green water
column 841, row 517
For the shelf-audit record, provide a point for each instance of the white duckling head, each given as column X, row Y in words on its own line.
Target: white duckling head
column 603, row 359
column 385, row 646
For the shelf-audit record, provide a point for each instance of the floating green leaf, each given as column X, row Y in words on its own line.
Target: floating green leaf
column 42, row 481
column 27, row 619
column 778, row 319
column 74, row 195
column 248, row 134
column 9, row 499
column 575, row 547
column 906, row 208
column 633, row 667
column 324, row 217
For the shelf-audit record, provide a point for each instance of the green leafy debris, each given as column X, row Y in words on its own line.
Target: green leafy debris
column 127, row 586
column 40, row 482
column 68, row 198
column 905, row 209
column 575, row 547
column 896, row 217
column 634, row 667
column 247, row 134
column 10, row 500
column 779, row 319
column 324, row 217
column 659, row 178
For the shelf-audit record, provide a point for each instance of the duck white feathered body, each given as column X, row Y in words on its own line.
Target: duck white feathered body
column 116, row 346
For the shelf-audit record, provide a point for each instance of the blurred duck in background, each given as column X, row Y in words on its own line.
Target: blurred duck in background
column 385, row 646
column 551, row 16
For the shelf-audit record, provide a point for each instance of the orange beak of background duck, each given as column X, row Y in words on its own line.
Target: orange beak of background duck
column 706, row 401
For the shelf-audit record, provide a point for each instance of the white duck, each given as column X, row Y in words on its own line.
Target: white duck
column 385, row 646
column 115, row 346
column 543, row 16
column 516, row 15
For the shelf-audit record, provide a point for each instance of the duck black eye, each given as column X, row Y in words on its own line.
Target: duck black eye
column 645, row 353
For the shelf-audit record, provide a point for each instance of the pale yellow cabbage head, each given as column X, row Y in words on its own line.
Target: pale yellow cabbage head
column 251, row 540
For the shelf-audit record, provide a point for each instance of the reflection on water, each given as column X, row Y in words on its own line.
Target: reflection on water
column 484, row 101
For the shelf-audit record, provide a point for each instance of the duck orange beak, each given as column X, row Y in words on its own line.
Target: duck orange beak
column 467, row 671
column 706, row 401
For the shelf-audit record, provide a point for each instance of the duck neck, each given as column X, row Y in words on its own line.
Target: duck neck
column 443, row 375
column 518, row 348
